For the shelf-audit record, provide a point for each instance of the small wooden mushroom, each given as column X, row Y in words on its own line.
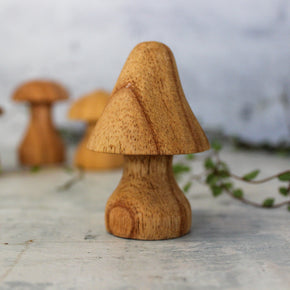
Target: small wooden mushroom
column 42, row 144
column 148, row 120
column 89, row 108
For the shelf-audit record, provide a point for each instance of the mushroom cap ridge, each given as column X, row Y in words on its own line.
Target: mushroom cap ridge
column 40, row 91
column 147, row 113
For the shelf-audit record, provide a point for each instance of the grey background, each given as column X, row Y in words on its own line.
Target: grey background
column 233, row 56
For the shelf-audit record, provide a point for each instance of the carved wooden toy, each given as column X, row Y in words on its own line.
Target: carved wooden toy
column 89, row 108
column 148, row 120
column 42, row 144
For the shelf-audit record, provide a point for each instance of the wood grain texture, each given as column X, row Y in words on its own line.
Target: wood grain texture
column 148, row 120
column 148, row 204
column 230, row 246
column 147, row 112
column 90, row 160
column 42, row 144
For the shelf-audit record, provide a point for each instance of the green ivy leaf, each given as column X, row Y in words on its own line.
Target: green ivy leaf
column 190, row 156
column 238, row 193
column 251, row 175
column 284, row 191
column 179, row 168
column 211, row 179
column 208, row 163
column 216, row 190
column 223, row 166
column 216, row 146
column 187, row 186
column 223, row 174
column 268, row 202
column 228, row 185
column 288, row 207
column 285, row 176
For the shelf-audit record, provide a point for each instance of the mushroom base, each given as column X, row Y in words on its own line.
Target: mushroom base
column 148, row 204
column 90, row 160
column 42, row 144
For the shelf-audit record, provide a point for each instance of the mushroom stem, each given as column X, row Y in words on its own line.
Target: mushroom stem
column 42, row 143
column 90, row 160
column 148, row 204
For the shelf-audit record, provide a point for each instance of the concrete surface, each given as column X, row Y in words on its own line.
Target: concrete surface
column 233, row 56
column 57, row 240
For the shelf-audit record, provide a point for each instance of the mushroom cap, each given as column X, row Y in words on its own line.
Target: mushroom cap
column 40, row 91
column 89, row 107
column 147, row 113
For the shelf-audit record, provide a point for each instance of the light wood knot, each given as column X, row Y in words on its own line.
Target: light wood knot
column 120, row 222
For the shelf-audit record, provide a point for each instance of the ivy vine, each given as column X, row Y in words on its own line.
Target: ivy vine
column 218, row 176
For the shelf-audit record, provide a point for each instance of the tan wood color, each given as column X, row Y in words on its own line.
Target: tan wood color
column 148, row 204
column 42, row 144
column 90, row 160
column 147, row 112
column 148, row 120
column 89, row 108
column 39, row 91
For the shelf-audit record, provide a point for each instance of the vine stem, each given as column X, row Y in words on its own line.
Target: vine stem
column 67, row 185
column 247, row 201
column 197, row 177
column 216, row 155
column 258, row 181
column 242, row 199
column 255, row 204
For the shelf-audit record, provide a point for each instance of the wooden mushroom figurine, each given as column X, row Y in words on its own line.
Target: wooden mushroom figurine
column 42, row 144
column 148, row 120
column 89, row 108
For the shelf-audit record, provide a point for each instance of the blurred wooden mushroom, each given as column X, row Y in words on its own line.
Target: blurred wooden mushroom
column 89, row 108
column 42, row 144
column 148, row 120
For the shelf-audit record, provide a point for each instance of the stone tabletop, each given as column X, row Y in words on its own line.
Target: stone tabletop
column 51, row 239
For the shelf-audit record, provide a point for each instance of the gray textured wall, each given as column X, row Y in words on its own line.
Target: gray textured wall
column 233, row 56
